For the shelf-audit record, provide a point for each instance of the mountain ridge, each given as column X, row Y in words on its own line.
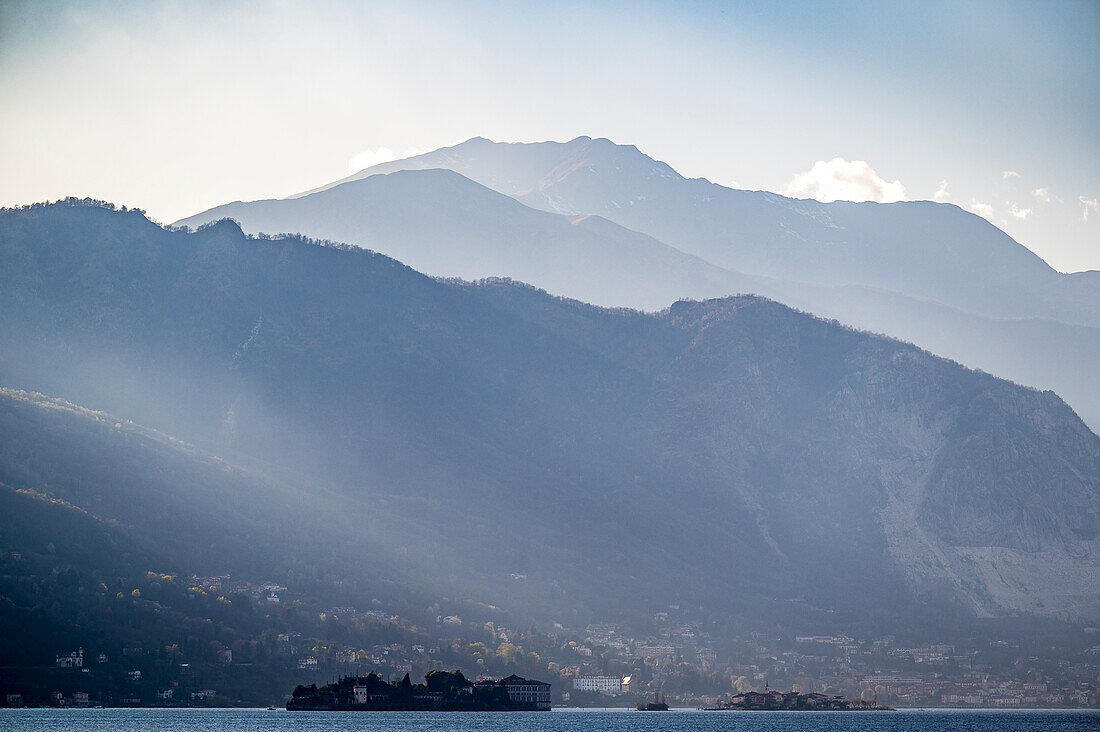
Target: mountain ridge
column 449, row 225
column 591, row 194
column 561, row 419
column 470, row 231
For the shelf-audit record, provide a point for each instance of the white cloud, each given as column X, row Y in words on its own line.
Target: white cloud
column 1088, row 203
column 1042, row 195
column 941, row 193
column 1009, row 174
column 1020, row 213
column 843, row 180
column 982, row 209
column 367, row 158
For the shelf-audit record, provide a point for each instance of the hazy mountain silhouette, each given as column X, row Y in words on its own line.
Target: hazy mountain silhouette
column 732, row 454
column 927, row 273
column 444, row 224
column 922, row 249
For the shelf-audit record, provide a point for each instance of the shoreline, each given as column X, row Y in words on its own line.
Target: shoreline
column 563, row 709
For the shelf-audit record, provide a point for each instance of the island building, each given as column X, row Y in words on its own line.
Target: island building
column 609, row 685
column 442, row 691
column 527, row 691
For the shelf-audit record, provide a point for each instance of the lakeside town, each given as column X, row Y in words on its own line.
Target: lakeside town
column 599, row 665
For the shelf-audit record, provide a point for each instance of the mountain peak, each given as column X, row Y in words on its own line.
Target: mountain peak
column 225, row 227
column 477, row 140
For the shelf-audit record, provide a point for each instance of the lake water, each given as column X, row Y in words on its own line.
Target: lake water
column 249, row 720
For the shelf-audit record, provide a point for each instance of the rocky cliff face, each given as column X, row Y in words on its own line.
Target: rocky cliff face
column 956, row 506
column 733, row 454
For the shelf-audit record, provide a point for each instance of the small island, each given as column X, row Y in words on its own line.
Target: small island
column 794, row 701
column 441, row 691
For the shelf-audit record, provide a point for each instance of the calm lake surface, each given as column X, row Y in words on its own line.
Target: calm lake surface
column 247, row 720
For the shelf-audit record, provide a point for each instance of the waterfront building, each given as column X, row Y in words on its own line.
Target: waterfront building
column 609, row 685
column 527, row 691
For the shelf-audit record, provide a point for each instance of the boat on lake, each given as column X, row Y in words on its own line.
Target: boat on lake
column 657, row 705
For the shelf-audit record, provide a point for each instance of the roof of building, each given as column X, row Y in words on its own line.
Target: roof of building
column 513, row 679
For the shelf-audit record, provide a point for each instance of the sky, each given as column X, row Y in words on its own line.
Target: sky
column 175, row 107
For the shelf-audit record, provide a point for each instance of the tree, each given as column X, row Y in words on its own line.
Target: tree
column 447, row 683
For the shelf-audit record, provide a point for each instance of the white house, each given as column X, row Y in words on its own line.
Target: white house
column 609, row 685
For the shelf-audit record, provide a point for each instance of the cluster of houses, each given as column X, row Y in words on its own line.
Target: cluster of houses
column 902, row 674
column 72, row 660
column 271, row 592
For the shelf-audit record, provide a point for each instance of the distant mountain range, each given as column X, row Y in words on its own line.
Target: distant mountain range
column 627, row 230
column 731, row 455
column 923, row 249
column 444, row 224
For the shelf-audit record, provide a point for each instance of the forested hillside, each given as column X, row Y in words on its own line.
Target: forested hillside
column 732, row 455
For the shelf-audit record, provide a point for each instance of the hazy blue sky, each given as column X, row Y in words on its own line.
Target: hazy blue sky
column 177, row 106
